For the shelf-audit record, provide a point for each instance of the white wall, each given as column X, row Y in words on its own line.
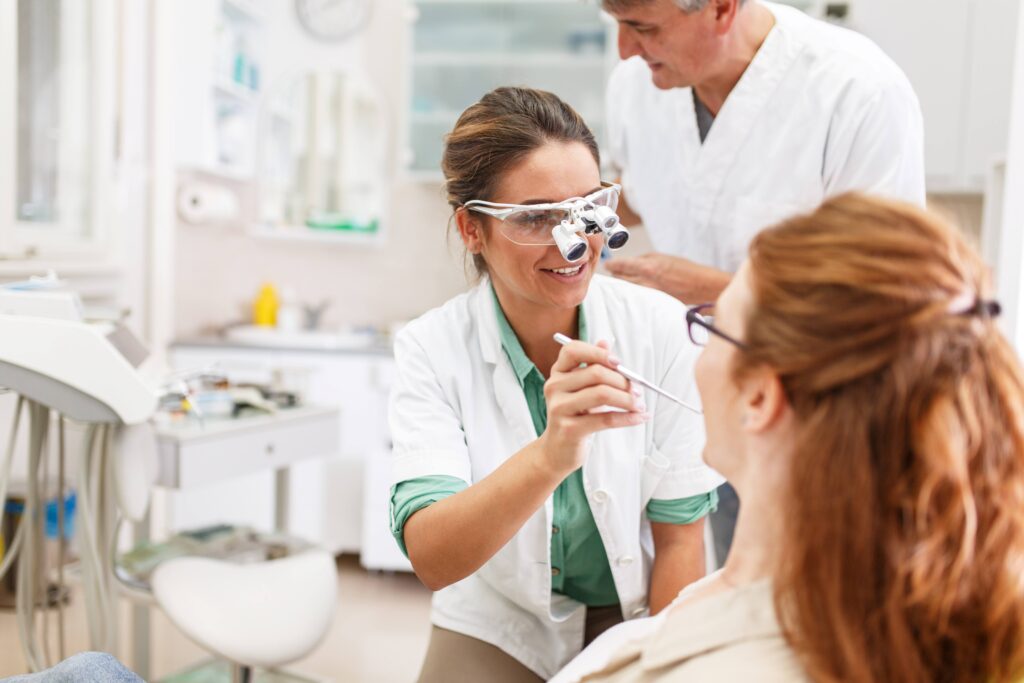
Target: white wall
column 1011, row 241
column 132, row 177
column 218, row 270
column 958, row 56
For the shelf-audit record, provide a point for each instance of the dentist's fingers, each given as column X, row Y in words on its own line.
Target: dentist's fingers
column 593, row 398
column 584, row 395
column 581, row 378
column 577, row 353
column 596, row 422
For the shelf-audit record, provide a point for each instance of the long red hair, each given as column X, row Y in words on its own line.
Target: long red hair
column 904, row 549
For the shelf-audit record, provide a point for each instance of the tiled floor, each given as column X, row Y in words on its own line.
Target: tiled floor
column 379, row 634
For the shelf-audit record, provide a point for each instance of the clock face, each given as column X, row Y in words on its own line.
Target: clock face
column 333, row 19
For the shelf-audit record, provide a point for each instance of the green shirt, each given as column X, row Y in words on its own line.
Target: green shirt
column 579, row 563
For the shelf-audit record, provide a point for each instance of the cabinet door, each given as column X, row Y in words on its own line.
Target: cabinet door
column 331, row 502
column 217, row 84
column 461, row 49
column 993, row 39
column 8, row 118
column 928, row 39
column 59, row 67
column 379, row 551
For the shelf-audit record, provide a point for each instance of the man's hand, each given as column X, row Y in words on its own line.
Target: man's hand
column 687, row 281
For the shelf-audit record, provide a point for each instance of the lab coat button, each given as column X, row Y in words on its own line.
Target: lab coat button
column 638, row 611
column 555, row 571
column 600, row 495
column 625, row 560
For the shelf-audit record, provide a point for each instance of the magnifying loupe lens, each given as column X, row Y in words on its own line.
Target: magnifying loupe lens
column 570, row 244
column 576, row 252
column 618, row 239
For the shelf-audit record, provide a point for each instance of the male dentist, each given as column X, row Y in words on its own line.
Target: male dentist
column 727, row 116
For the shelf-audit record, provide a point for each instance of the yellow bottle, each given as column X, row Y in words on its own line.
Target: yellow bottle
column 264, row 309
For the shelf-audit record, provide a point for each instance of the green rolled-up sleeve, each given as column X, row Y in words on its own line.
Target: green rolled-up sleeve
column 683, row 510
column 409, row 497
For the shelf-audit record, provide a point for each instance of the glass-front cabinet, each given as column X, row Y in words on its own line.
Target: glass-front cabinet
column 56, row 135
column 464, row 48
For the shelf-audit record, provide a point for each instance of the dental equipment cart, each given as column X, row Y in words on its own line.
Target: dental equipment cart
column 193, row 453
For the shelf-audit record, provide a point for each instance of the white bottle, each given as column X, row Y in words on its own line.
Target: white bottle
column 289, row 315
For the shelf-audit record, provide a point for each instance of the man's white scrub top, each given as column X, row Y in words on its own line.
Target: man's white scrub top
column 821, row 110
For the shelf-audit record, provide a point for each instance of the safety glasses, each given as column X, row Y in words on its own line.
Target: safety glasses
column 533, row 224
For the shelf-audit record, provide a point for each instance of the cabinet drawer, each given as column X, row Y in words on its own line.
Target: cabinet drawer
column 204, row 459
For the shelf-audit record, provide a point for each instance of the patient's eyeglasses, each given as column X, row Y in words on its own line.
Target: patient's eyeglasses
column 700, row 329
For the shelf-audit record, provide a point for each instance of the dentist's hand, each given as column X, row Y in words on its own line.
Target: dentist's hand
column 454, row 537
column 574, row 396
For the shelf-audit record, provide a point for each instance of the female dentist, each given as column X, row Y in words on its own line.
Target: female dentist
column 542, row 496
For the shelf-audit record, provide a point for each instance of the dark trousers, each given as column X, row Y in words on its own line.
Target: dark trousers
column 723, row 521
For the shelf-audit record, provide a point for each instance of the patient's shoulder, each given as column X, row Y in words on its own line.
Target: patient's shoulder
column 763, row 660
column 730, row 635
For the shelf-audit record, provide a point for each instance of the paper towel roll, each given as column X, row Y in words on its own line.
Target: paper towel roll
column 203, row 203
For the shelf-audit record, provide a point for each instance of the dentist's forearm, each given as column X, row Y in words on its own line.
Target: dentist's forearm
column 452, row 538
column 678, row 561
column 627, row 215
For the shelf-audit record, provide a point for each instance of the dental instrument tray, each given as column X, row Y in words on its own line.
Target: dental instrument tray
column 240, row 545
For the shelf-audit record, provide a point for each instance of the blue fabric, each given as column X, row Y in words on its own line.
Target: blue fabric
column 85, row 667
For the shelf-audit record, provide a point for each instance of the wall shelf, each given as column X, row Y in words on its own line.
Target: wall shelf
column 235, row 90
column 223, row 171
column 302, row 234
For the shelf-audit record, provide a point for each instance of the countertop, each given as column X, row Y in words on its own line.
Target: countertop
column 285, row 344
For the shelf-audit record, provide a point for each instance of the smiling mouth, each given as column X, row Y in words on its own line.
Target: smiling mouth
column 566, row 273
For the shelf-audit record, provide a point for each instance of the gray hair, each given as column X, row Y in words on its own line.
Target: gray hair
column 688, row 6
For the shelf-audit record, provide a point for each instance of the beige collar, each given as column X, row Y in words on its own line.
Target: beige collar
column 711, row 623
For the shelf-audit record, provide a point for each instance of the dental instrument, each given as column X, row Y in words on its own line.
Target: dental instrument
column 636, row 377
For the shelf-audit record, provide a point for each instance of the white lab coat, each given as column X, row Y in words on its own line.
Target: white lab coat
column 458, row 410
column 821, row 110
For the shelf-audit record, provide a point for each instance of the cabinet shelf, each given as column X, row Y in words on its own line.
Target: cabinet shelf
column 236, row 91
